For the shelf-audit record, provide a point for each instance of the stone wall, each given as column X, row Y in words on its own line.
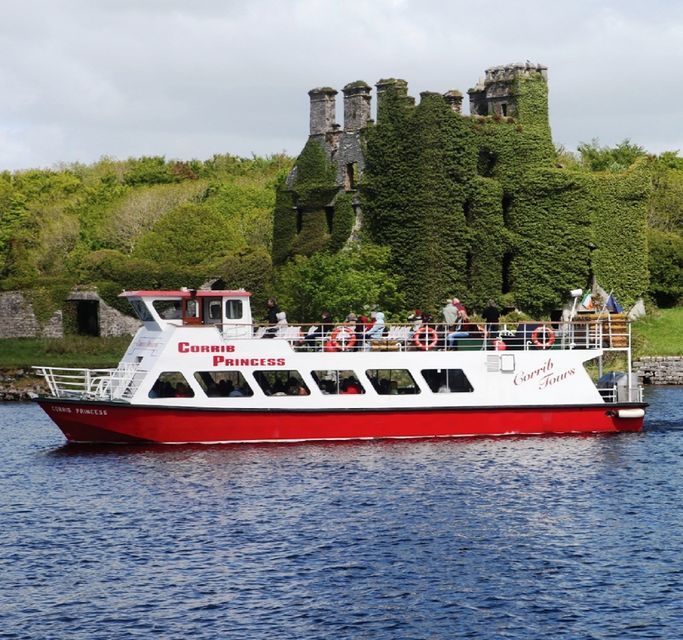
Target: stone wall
column 18, row 320
column 660, row 370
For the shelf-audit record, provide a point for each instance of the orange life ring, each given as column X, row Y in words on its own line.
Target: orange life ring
column 548, row 337
column 430, row 342
column 344, row 343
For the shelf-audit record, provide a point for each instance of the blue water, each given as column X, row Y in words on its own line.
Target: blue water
column 537, row 537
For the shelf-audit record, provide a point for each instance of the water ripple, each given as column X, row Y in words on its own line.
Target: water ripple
column 562, row 537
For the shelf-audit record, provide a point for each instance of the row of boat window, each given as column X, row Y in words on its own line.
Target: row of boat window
column 233, row 384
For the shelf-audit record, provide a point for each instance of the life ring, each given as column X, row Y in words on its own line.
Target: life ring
column 342, row 339
column 429, row 333
column 548, row 337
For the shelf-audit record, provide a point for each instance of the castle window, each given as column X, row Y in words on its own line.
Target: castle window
column 350, row 176
column 507, row 208
column 507, row 278
column 329, row 217
column 486, row 163
column 467, row 210
column 504, row 109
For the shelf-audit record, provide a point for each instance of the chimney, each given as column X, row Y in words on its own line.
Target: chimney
column 453, row 99
column 357, row 101
column 322, row 110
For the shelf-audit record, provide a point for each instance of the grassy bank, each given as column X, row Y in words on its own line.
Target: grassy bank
column 659, row 334
column 72, row 351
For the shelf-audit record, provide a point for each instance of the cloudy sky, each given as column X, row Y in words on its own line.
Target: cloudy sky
column 81, row 79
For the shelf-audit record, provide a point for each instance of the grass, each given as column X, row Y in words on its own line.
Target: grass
column 660, row 333
column 71, row 351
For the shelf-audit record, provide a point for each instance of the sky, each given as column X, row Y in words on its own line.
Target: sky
column 83, row 79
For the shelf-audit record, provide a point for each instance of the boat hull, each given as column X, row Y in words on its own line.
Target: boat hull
column 122, row 423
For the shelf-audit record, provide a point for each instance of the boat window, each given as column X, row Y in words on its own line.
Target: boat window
column 167, row 309
column 214, row 310
column 223, row 384
column 171, row 384
column 392, row 381
column 281, row 383
column 447, row 380
column 191, row 308
column 334, row 382
column 141, row 310
column 233, row 309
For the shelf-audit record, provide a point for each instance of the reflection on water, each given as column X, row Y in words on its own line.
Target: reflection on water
column 562, row 537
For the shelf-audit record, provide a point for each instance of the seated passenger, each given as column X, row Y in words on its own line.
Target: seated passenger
column 376, row 331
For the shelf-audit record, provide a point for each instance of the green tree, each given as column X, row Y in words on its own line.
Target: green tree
column 666, row 267
column 188, row 235
column 355, row 279
column 613, row 159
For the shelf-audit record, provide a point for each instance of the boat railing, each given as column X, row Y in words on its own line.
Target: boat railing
column 110, row 384
column 600, row 333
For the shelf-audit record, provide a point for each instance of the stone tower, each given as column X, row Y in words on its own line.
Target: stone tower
column 495, row 95
column 323, row 106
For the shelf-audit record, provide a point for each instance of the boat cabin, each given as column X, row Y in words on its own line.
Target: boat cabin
column 228, row 311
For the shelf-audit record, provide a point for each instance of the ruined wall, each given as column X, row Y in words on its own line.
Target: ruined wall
column 473, row 205
column 659, row 370
column 18, row 320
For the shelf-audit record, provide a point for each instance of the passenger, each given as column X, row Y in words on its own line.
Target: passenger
column 272, row 310
column 236, row 393
column 455, row 316
column 450, row 319
column 294, row 387
column 456, row 333
column 377, row 329
column 491, row 316
column 417, row 319
column 319, row 332
column 278, row 388
column 225, row 388
column 183, row 391
column 352, row 323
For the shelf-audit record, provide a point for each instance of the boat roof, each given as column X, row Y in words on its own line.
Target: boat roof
column 186, row 293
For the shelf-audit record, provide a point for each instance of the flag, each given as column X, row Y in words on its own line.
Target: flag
column 613, row 306
column 587, row 302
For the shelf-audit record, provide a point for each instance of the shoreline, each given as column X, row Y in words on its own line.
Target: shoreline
column 21, row 384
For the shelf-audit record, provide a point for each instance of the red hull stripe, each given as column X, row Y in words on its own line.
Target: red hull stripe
column 121, row 423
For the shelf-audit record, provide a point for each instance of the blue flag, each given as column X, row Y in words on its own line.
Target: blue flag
column 613, row 306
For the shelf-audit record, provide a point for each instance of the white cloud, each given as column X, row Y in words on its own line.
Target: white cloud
column 83, row 79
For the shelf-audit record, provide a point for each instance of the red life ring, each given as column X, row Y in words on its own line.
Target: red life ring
column 548, row 337
column 342, row 339
column 429, row 333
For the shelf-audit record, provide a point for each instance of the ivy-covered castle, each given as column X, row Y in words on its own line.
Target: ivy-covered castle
column 474, row 206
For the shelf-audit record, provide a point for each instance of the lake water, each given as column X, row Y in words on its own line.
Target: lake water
column 536, row 537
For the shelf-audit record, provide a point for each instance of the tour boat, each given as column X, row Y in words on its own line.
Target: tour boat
column 200, row 371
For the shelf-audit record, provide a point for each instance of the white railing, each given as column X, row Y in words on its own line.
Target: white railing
column 528, row 335
column 110, row 384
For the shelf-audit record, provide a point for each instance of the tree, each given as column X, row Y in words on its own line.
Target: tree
column 355, row 279
column 188, row 235
column 613, row 159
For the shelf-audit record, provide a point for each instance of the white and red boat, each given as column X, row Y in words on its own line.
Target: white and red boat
column 199, row 371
